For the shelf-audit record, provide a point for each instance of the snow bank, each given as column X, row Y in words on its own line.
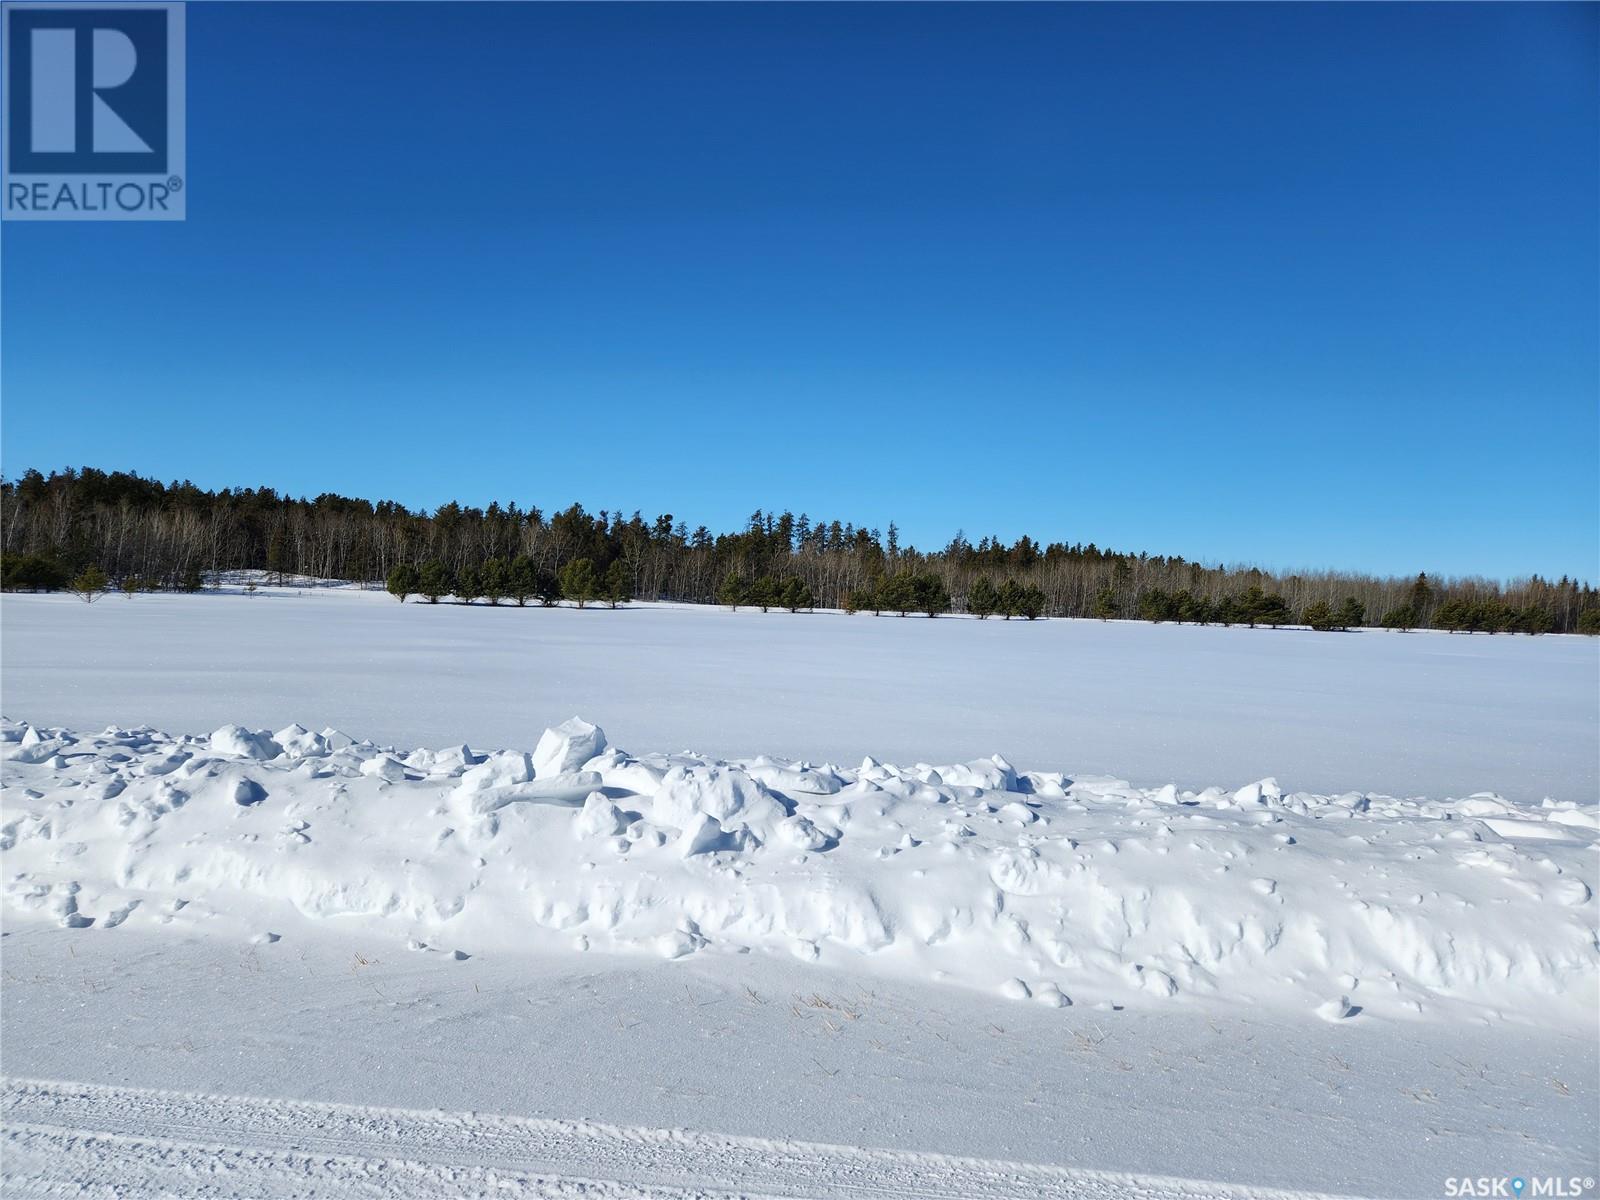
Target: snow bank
column 1040, row 887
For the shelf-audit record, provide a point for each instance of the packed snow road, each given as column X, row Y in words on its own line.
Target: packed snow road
column 83, row 1141
column 744, row 1048
column 1406, row 714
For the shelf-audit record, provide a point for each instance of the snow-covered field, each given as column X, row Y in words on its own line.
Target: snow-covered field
column 1430, row 714
column 842, row 947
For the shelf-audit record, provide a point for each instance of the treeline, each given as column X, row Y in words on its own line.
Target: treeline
column 172, row 535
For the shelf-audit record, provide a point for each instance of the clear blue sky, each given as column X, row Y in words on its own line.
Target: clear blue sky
column 1301, row 285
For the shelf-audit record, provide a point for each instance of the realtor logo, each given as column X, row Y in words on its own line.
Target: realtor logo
column 94, row 122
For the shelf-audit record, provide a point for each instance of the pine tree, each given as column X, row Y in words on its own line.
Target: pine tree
column 90, row 584
column 547, row 588
column 494, row 578
column 1399, row 618
column 1352, row 614
column 1535, row 620
column 580, row 582
column 33, row 572
column 1105, row 604
column 933, row 597
column 131, row 586
column 1274, row 610
column 618, row 583
column 1252, row 605
column 403, row 580
column 765, row 592
column 522, row 581
column 1318, row 615
column 899, row 593
column 982, row 599
column 193, row 581
column 1454, row 615
column 434, row 581
column 1155, row 605
column 794, row 595
column 733, row 592
column 860, row 598
column 1421, row 600
column 469, row 584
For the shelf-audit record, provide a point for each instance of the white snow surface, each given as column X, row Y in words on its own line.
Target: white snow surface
column 1423, row 713
column 1031, row 885
column 260, row 956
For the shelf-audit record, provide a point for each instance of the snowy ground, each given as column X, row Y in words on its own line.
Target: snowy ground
column 760, row 1048
column 398, row 966
column 1408, row 714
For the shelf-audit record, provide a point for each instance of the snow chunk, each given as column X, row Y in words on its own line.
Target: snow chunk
column 383, row 766
column 600, row 817
column 299, row 742
column 239, row 742
column 567, row 747
column 727, row 794
column 801, row 833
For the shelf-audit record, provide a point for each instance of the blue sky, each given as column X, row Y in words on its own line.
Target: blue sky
column 1302, row 285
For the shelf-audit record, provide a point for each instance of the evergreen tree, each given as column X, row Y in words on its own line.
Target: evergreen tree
column 796, row 595
column 765, row 592
column 580, row 582
column 618, row 583
column 193, row 581
column 522, row 580
column 547, row 588
column 494, row 578
column 1535, row 620
column 1105, row 604
column 1318, row 615
column 982, row 599
column 1421, row 600
column 898, row 593
column 1401, row 617
column 1274, row 610
column 1252, row 605
column 1352, row 614
column 1008, row 600
column 1155, row 605
column 733, row 591
column 403, row 580
column 90, row 584
column 860, row 598
column 469, row 584
column 434, row 581
column 932, row 596
column 131, row 586
column 1454, row 615
column 1032, row 603
column 1589, row 622
column 33, row 573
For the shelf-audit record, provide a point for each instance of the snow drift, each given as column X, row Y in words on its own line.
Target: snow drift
column 1038, row 886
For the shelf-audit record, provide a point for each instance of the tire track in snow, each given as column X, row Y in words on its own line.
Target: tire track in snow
column 64, row 1139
